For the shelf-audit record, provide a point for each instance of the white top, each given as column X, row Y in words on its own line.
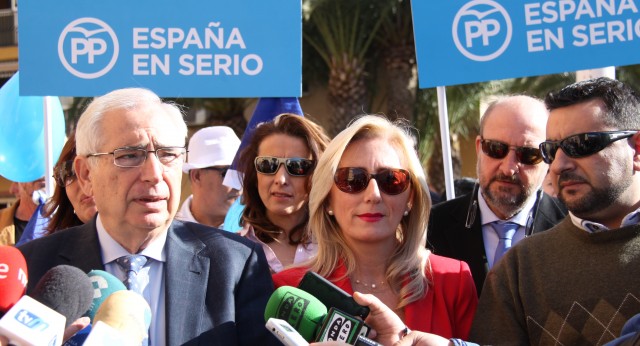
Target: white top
column 184, row 214
column 303, row 251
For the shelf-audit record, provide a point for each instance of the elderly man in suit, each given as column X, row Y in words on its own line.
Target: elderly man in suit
column 508, row 196
column 204, row 286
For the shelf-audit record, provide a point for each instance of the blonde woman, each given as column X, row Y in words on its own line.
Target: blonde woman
column 369, row 208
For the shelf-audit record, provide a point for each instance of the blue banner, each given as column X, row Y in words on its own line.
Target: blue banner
column 462, row 41
column 214, row 48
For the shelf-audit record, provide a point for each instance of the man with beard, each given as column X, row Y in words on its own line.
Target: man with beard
column 577, row 283
column 510, row 173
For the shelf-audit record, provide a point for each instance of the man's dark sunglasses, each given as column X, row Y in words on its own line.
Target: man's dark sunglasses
column 499, row 150
column 221, row 169
column 295, row 166
column 391, row 181
column 582, row 144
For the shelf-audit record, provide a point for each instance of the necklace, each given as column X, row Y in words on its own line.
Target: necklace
column 372, row 286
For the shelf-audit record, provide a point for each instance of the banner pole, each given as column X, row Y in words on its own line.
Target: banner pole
column 446, row 142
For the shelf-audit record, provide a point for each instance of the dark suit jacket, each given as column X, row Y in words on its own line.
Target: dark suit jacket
column 217, row 283
column 448, row 236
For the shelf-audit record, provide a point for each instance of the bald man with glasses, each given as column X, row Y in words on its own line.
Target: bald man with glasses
column 204, row 286
column 577, row 283
column 507, row 204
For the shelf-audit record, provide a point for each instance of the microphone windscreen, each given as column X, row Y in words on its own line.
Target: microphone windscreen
column 65, row 289
column 301, row 310
column 127, row 312
column 104, row 284
column 13, row 277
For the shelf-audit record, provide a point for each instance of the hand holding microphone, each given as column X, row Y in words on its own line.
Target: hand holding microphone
column 387, row 326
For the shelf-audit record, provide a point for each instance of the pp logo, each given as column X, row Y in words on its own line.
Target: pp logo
column 88, row 48
column 482, row 30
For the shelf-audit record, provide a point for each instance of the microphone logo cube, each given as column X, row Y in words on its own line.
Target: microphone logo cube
column 340, row 326
column 339, row 329
column 292, row 308
column 31, row 320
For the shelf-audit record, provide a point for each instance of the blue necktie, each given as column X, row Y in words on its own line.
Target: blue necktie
column 132, row 265
column 505, row 231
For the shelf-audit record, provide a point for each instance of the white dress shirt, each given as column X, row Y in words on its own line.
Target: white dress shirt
column 489, row 235
column 150, row 277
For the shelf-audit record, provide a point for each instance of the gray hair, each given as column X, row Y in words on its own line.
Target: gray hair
column 88, row 133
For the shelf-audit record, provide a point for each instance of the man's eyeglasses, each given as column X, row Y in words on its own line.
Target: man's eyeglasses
column 499, row 150
column 135, row 157
column 64, row 174
column 391, row 181
column 582, row 144
column 295, row 166
column 222, row 169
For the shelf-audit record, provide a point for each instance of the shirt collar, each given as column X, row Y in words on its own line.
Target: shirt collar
column 487, row 216
column 111, row 250
column 633, row 218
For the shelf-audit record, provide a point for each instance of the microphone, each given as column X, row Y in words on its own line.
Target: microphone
column 331, row 295
column 13, row 277
column 65, row 289
column 311, row 318
column 104, row 284
column 105, row 335
column 31, row 323
column 128, row 313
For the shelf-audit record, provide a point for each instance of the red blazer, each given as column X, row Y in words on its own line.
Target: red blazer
column 447, row 309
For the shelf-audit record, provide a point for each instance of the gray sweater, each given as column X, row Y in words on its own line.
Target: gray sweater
column 562, row 287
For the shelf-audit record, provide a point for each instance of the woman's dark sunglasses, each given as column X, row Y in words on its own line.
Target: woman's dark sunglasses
column 498, row 150
column 391, row 181
column 582, row 144
column 64, row 174
column 295, row 166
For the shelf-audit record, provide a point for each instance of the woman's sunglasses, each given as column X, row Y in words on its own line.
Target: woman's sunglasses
column 391, row 181
column 498, row 150
column 295, row 166
column 582, row 144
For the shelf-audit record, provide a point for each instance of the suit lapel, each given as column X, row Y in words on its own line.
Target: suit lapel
column 550, row 213
column 186, row 273
column 470, row 242
column 83, row 250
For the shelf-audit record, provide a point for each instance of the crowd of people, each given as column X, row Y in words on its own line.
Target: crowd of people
column 504, row 264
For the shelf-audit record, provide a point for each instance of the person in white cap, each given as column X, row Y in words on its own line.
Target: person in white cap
column 211, row 152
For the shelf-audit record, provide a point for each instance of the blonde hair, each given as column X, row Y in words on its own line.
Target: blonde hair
column 405, row 269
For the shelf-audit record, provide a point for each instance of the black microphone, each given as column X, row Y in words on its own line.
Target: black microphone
column 65, row 289
column 331, row 295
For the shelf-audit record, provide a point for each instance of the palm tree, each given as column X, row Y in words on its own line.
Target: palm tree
column 342, row 32
column 395, row 39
